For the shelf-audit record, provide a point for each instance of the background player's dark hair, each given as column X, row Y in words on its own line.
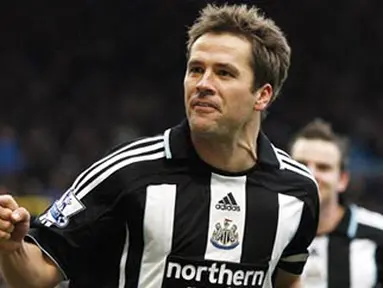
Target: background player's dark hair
column 319, row 129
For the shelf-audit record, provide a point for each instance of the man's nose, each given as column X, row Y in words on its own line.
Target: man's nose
column 205, row 85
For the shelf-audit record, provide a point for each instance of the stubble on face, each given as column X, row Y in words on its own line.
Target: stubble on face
column 224, row 78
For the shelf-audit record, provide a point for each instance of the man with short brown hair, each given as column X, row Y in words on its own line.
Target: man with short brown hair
column 348, row 249
column 208, row 203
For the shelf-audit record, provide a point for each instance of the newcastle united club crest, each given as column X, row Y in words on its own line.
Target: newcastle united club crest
column 225, row 236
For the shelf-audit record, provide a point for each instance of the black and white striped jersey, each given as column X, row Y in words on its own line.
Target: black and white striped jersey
column 152, row 214
column 350, row 256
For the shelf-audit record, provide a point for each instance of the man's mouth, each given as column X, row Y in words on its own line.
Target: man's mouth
column 204, row 104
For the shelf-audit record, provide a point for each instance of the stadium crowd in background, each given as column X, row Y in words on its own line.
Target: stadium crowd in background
column 80, row 77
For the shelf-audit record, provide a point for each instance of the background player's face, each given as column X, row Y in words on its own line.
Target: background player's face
column 218, row 83
column 323, row 158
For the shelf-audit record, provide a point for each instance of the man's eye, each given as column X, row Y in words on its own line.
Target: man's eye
column 225, row 73
column 195, row 70
column 324, row 167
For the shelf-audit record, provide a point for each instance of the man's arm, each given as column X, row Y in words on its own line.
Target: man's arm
column 63, row 237
column 287, row 280
column 295, row 254
column 23, row 265
column 28, row 267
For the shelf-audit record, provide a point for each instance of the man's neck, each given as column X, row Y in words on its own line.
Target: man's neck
column 231, row 155
column 329, row 218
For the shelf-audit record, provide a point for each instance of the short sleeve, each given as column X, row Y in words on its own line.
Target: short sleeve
column 295, row 254
column 75, row 224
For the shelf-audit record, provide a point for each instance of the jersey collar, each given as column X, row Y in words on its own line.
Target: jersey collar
column 178, row 146
column 348, row 224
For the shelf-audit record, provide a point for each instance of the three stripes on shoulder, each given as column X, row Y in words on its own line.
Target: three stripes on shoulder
column 146, row 149
column 69, row 204
column 286, row 162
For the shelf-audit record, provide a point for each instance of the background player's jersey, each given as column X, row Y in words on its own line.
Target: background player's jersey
column 350, row 256
column 152, row 214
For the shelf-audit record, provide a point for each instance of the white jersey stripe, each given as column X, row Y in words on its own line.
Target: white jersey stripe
column 116, row 158
column 296, row 258
column 158, row 233
column 363, row 271
column 216, row 248
column 124, row 257
column 122, row 149
column 315, row 273
column 369, row 218
column 289, row 216
column 86, row 189
column 286, row 162
column 290, row 167
column 295, row 163
column 353, row 224
column 168, row 151
column 281, row 152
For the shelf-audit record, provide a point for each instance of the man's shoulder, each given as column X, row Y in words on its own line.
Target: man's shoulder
column 369, row 218
column 370, row 224
column 134, row 152
column 293, row 173
column 136, row 143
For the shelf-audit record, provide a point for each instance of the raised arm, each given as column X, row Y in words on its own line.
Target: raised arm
column 23, row 264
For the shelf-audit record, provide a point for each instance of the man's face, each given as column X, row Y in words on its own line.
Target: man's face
column 218, row 84
column 323, row 158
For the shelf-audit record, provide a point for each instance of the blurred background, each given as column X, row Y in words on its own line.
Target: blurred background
column 78, row 77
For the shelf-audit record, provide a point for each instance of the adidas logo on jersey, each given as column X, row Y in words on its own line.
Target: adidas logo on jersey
column 228, row 203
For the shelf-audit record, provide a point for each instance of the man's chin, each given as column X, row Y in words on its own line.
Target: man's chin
column 201, row 125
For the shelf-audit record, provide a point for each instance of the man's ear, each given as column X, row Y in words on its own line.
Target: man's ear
column 263, row 97
column 343, row 181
